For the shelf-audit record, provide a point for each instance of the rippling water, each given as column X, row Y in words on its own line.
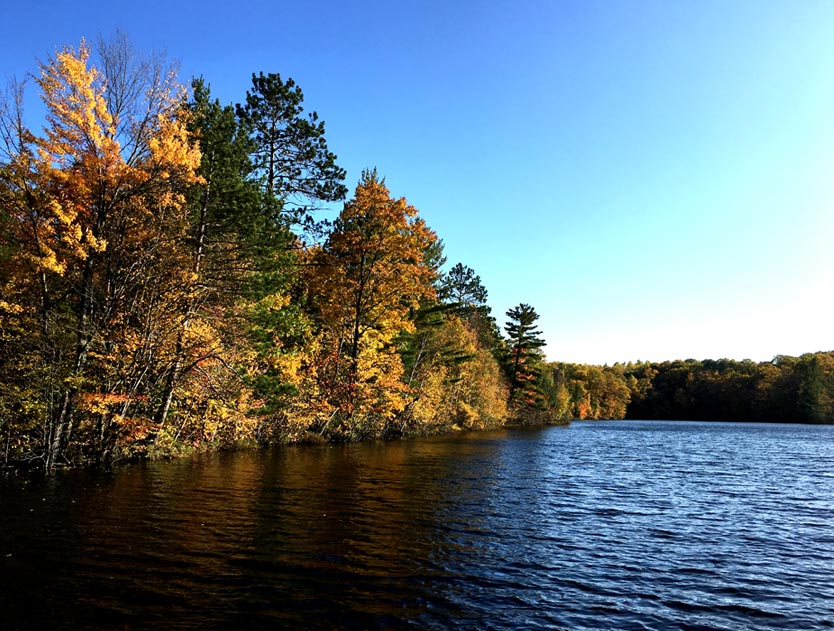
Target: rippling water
column 606, row 525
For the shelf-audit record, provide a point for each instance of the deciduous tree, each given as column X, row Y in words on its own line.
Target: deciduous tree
column 95, row 210
column 364, row 283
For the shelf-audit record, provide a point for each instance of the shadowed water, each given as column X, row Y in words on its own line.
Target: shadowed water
column 615, row 525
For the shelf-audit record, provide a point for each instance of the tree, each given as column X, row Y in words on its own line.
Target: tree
column 816, row 387
column 524, row 356
column 461, row 289
column 291, row 157
column 94, row 215
column 223, row 232
column 452, row 379
column 462, row 286
column 364, row 283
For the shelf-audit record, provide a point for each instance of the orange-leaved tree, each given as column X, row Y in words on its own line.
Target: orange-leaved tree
column 94, row 215
column 364, row 282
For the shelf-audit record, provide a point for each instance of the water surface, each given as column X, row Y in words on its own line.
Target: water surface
column 603, row 525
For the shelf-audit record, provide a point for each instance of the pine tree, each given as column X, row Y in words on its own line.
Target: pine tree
column 524, row 357
column 462, row 286
column 291, row 157
column 224, row 234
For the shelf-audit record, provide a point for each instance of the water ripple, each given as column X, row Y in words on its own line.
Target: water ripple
column 621, row 525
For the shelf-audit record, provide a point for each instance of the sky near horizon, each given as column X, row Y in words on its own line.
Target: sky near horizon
column 655, row 178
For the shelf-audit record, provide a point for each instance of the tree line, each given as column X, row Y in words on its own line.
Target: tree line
column 787, row 389
column 166, row 284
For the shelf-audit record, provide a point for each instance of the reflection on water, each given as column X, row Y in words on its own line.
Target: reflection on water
column 600, row 525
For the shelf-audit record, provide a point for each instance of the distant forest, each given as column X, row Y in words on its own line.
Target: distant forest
column 167, row 285
column 787, row 389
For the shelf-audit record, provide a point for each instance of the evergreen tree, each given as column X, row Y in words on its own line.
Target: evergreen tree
column 225, row 235
column 461, row 289
column 291, row 157
column 524, row 356
column 462, row 286
column 816, row 387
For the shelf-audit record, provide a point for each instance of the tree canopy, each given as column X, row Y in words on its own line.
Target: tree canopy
column 290, row 154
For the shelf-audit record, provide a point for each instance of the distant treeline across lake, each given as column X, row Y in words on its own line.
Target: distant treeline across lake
column 787, row 389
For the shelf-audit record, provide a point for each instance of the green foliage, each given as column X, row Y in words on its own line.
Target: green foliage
column 290, row 155
column 788, row 389
column 816, row 387
column 524, row 360
column 462, row 286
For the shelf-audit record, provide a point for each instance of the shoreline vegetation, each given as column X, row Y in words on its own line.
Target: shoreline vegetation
column 784, row 390
column 167, row 287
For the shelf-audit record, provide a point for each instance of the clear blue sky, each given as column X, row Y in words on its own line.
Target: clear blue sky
column 655, row 178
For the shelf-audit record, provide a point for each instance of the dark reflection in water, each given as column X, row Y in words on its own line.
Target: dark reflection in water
column 623, row 525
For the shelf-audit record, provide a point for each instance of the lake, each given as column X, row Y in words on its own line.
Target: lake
column 600, row 525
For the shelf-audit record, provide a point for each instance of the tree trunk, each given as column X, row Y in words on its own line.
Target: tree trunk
column 174, row 373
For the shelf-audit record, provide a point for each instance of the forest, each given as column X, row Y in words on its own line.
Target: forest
column 787, row 390
column 168, row 285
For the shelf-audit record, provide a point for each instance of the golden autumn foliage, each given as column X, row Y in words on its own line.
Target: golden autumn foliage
column 363, row 283
column 155, row 298
column 454, row 383
column 92, row 239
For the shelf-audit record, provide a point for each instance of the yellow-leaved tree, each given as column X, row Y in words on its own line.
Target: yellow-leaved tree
column 454, row 381
column 93, row 218
column 363, row 283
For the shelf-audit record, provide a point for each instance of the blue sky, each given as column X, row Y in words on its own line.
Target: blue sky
column 655, row 178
